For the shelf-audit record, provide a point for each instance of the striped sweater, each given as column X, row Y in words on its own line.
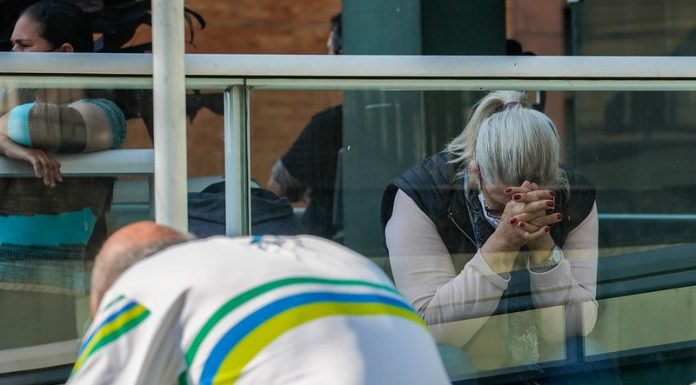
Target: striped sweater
column 46, row 234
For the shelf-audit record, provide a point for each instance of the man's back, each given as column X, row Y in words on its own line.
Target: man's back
column 256, row 310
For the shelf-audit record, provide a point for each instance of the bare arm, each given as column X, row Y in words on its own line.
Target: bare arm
column 283, row 184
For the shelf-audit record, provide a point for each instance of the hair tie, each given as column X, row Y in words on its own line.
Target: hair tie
column 507, row 106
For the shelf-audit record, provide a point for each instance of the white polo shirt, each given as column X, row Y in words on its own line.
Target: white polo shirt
column 256, row 310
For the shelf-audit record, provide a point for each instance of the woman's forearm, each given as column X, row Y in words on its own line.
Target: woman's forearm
column 82, row 126
column 423, row 270
column 574, row 279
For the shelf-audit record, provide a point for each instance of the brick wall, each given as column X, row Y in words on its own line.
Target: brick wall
column 300, row 27
column 277, row 117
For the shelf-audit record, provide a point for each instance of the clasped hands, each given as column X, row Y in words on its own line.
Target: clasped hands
column 526, row 221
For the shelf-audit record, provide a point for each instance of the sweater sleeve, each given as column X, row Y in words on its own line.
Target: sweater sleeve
column 573, row 280
column 83, row 126
column 424, row 272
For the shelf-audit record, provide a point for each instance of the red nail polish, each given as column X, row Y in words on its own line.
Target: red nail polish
column 553, row 193
column 508, row 190
column 522, row 224
column 547, row 229
column 513, row 221
column 549, row 203
column 559, row 216
column 517, row 197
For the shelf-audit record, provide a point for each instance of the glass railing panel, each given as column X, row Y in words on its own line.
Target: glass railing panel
column 100, row 133
column 633, row 147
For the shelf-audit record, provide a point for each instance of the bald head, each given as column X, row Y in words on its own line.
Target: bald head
column 124, row 248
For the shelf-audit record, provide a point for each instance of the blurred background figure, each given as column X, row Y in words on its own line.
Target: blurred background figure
column 307, row 171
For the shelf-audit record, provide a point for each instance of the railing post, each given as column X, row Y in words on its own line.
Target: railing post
column 169, row 92
column 237, row 197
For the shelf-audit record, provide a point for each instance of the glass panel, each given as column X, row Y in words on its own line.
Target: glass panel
column 633, row 28
column 632, row 147
column 50, row 234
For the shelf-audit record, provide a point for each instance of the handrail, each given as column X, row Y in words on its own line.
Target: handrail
column 112, row 163
column 361, row 66
column 287, row 70
column 169, row 113
column 32, row 357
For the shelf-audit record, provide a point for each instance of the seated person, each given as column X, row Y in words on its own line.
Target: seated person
column 270, row 215
column 247, row 310
column 54, row 218
column 492, row 217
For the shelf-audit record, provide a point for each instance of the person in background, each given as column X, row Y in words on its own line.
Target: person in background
column 270, row 215
column 472, row 230
column 307, row 171
column 54, row 218
column 247, row 310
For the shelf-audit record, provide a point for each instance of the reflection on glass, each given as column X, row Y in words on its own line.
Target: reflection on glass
column 617, row 279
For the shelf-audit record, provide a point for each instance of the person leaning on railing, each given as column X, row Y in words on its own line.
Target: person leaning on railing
column 54, row 217
column 498, row 197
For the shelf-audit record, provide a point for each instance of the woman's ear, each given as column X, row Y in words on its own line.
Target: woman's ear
column 65, row 47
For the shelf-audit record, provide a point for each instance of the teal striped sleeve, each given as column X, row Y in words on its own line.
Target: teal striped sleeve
column 18, row 124
column 117, row 121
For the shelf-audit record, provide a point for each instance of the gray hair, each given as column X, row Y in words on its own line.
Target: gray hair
column 510, row 143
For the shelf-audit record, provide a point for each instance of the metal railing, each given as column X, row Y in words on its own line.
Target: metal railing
column 237, row 74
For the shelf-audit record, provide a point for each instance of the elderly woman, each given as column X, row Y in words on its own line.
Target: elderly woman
column 495, row 216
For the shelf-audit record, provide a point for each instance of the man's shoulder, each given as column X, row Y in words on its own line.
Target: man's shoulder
column 328, row 116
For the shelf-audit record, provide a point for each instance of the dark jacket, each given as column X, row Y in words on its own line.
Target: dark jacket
column 270, row 215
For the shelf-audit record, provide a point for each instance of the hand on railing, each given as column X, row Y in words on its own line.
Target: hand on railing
column 45, row 167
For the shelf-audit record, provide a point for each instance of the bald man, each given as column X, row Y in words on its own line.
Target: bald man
column 251, row 310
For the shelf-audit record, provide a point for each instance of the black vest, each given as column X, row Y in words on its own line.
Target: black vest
column 441, row 196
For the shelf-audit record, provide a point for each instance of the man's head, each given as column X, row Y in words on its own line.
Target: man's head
column 52, row 25
column 124, row 248
column 335, row 41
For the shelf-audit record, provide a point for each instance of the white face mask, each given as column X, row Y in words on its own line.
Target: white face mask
column 492, row 217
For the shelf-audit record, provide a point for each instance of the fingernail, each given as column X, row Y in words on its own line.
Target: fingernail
column 559, row 216
column 547, row 229
column 522, row 224
column 513, row 220
column 553, row 193
column 508, row 190
column 549, row 203
column 517, row 197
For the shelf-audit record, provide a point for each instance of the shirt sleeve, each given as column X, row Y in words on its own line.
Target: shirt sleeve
column 84, row 126
column 313, row 156
column 574, row 279
column 128, row 344
column 424, row 272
